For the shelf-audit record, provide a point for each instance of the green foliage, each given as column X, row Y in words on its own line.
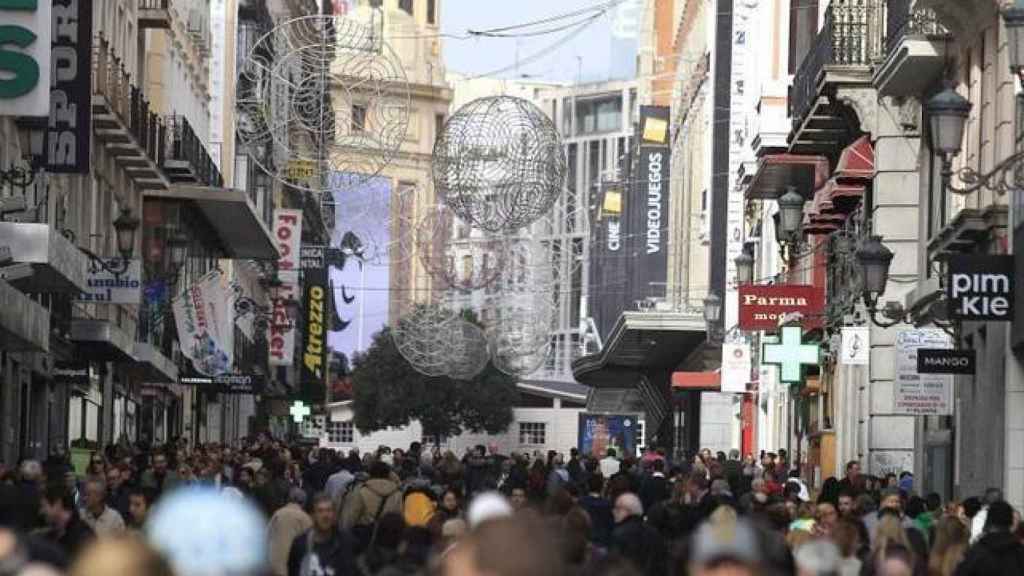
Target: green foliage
column 389, row 392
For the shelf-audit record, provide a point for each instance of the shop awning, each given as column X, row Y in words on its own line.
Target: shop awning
column 152, row 366
column 857, row 161
column 704, row 381
column 777, row 171
column 102, row 340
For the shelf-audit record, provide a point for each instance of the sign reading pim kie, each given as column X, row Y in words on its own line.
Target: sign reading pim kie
column 761, row 307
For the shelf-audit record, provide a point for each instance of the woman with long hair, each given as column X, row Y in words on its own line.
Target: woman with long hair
column 951, row 540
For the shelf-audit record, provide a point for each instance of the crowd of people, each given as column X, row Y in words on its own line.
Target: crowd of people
column 270, row 508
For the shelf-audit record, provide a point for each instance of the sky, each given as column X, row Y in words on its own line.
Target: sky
column 586, row 56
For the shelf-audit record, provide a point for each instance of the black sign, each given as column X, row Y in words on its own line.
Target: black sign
column 980, row 287
column 227, row 383
column 67, row 136
column 648, row 210
column 312, row 257
column 317, row 307
column 944, row 361
column 71, row 373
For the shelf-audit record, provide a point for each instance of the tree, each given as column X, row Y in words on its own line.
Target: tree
column 389, row 392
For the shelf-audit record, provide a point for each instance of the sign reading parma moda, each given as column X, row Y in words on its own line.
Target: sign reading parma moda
column 761, row 307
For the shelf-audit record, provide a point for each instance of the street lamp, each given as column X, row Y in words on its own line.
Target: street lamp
column 1013, row 20
column 744, row 266
column 874, row 259
column 712, row 308
column 791, row 212
column 125, row 227
column 177, row 254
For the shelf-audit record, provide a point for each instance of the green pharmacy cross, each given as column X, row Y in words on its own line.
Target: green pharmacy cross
column 792, row 355
column 299, row 411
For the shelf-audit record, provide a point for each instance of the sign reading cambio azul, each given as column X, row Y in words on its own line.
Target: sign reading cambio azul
column 761, row 307
column 980, row 287
column 24, row 58
column 107, row 288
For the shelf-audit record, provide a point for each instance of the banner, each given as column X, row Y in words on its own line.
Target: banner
column 359, row 266
column 761, row 307
column 736, row 366
column 288, row 237
column 599, row 432
column 108, row 288
column 856, row 346
column 915, row 393
column 204, row 316
column 980, row 287
column 648, row 223
column 68, row 135
column 317, row 315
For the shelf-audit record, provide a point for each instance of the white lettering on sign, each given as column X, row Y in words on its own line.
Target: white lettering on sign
column 654, row 203
column 755, row 300
column 981, row 294
column 614, row 235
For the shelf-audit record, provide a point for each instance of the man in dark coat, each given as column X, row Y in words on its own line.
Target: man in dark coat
column 655, row 488
column 324, row 549
column 599, row 509
column 636, row 541
column 66, row 528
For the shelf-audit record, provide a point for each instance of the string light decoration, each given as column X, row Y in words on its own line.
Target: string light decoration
column 318, row 95
column 499, row 163
column 457, row 256
column 468, row 352
column 422, row 338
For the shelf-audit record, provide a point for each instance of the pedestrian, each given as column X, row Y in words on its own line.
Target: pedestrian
column 726, row 546
column 851, row 482
column 323, row 550
column 284, row 527
column 65, row 527
column 846, row 535
column 997, row 551
column 104, row 520
column 951, row 540
column 140, row 499
column 364, row 506
column 160, row 478
column 655, row 488
column 450, row 509
column 818, row 557
column 117, row 490
column 636, row 540
column 610, row 464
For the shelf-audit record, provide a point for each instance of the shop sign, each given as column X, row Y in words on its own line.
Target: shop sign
column 25, row 58
column 916, row 393
column 68, row 133
column 288, row 237
column 761, row 307
column 70, row 373
column 856, row 346
column 107, row 288
column 980, row 287
column 791, row 354
column 317, row 310
column 945, row 361
column 227, row 383
column 312, row 257
column 736, row 366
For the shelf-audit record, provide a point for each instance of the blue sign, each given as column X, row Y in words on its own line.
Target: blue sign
column 599, row 432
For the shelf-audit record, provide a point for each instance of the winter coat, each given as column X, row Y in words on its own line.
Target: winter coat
column 362, row 505
column 285, row 526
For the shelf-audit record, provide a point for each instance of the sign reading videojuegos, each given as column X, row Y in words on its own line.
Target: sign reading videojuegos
column 761, row 307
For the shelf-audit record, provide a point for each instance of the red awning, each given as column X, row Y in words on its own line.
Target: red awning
column 711, row 381
column 777, row 171
column 857, row 161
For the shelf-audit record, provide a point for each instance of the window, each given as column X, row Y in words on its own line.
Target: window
column 405, row 6
column 599, row 115
column 340, row 432
column 532, row 433
column 431, row 11
column 803, row 29
column 438, row 125
column 358, row 118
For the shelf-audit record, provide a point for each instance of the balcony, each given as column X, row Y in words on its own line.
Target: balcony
column 123, row 122
column 841, row 58
column 154, row 14
column 915, row 49
column 187, row 161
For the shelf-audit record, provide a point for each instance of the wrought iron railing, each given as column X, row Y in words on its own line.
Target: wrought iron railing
column 185, row 146
column 127, row 101
column 154, row 4
column 902, row 20
column 850, row 36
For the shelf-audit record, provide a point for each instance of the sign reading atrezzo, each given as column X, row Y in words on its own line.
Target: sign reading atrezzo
column 317, row 309
column 980, row 287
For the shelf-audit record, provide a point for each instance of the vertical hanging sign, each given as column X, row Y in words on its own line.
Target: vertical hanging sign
column 68, row 134
column 317, row 313
column 288, row 237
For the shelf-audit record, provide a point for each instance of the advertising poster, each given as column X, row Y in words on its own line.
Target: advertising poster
column 359, row 270
column 736, row 367
column 921, row 394
column 599, row 432
column 204, row 316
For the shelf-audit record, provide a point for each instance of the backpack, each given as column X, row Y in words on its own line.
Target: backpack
column 418, row 506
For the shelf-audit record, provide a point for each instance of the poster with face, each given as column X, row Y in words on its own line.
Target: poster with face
column 599, row 432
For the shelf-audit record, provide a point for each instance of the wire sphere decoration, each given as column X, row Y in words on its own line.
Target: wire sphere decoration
column 319, row 95
column 468, row 352
column 423, row 339
column 457, row 256
column 499, row 163
column 520, row 340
